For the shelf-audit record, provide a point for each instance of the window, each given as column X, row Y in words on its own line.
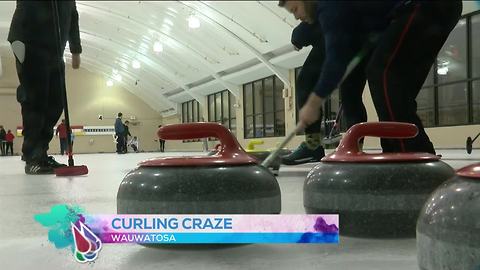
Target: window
column 452, row 58
column 330, row 109
column 264, row 108
column 451, row 93
column 426, row 106
column 476, row 101
column 191, row 111
column 221, row 109
column 452, row 100
column 475, row 60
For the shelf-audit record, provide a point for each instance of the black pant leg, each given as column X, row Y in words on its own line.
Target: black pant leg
column 351, row 92
column 120, row 142
column 162, row 145
column 63, row 145
column 32, row 94
column 401, row 62
column 9, row 146
column 54, row 99
column 307, row 78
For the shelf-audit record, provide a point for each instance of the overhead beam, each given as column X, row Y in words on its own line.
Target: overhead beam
column 281, row 73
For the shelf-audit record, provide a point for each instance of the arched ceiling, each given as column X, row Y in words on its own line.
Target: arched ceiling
column 233, row 36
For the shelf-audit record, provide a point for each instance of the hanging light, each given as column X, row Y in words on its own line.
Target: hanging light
column 109, row 83
column 193, row 22
column 157, row 47
column 135, row 64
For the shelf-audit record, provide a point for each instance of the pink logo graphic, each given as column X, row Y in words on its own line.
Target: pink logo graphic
column 87, row 244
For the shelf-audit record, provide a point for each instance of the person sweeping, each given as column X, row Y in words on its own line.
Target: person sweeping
column 411, row 33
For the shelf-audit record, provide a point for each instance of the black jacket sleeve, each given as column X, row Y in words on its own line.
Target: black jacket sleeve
column 302, row 35
column 74, row 35
column 342, row 41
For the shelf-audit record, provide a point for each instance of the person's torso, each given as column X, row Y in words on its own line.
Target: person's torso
column 33, row 22
column 9, row 137
column 62, row 131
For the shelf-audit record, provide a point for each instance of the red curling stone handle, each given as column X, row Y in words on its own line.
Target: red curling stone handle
column 393, row 130
column 188, row 131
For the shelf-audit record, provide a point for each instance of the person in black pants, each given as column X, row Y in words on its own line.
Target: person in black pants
column 350, row 93
column 2, row 140
column 162, row 142
column 411, row 35
column 120, row 133
column 41, row 71
column 126, row 133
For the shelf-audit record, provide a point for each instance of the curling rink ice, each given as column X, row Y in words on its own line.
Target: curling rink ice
column 24, row 243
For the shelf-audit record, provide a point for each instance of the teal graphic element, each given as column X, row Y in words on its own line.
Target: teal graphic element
column 59, row 221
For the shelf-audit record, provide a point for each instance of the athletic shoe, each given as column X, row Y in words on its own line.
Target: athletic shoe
column 36, row 168
column 303, row 155
column 50, row 161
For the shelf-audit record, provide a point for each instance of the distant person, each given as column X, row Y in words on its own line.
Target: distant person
column 61, row 133
column 9, row 137
column 2, row 140
column 119, row 133
column 162, row 142
column 126, row 133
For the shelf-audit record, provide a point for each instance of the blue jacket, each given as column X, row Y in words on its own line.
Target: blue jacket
column 119, row 128
column 346, row 26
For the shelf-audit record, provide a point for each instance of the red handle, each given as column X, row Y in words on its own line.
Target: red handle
column 188, row 131
column 394, row 130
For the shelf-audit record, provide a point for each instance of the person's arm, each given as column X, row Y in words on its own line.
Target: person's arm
column 74, row 38
column 342, row 41
column 56, row 131
column 340, row 33
column 302, row 35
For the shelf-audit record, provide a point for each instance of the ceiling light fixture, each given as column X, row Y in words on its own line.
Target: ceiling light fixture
column 109, row 83
column 193, row 22
column 135, row 64
column 157, row 47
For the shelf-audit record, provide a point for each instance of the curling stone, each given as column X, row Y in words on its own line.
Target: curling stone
column 230, row 182
column 448, row 229
column 261, row 155
column 378, row 194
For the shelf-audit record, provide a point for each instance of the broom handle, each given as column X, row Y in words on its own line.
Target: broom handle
column 350, row 67
column 63, row 89
column 277, row 150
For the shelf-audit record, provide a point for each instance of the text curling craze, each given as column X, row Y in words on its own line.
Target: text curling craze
column 172, row 223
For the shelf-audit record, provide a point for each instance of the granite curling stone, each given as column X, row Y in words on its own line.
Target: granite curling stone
column 375, row 195
column 448, row 229
column 230, row 182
